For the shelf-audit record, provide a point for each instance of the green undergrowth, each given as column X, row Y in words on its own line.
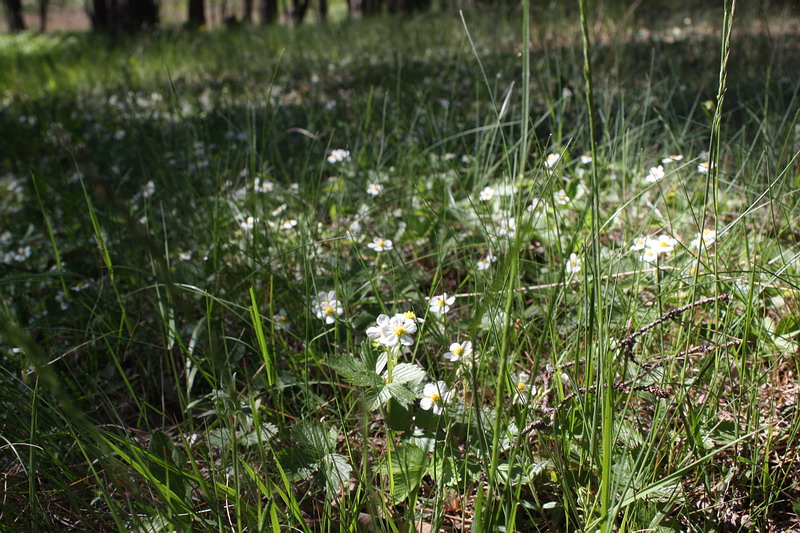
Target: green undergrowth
column 327, row 279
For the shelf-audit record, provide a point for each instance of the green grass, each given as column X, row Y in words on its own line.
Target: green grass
column 166, row 364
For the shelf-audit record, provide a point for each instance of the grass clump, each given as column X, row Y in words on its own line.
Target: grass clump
column 317, row 280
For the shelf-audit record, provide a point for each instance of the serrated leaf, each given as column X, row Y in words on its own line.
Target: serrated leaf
column 406, row 373
column 314, row 438
column 298, row 464
column 354, row 371
column 377, row 397
column 336, row 472
column 408, row 466
column 400, row 392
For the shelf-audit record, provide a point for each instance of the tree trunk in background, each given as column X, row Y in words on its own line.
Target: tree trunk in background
column 99, row 15
column 269, row 11
column 141, row 14
column 197, row 13
column 43, row 4
column 15, row 20
column 248, row 11
column 323, row 10
column 298, row 11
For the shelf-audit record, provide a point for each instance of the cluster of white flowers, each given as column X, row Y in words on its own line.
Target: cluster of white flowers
column 507, row 228
column 654, row 246
column 707, row 238
column 440, row 305
column 338, row 156
column 327, row 307
column 19, row 255
column 263, row 186
column 395, row 330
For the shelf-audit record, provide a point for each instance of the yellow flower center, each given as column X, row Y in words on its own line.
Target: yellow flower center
column 329, row 310
column 458, row 351
column 435, row 397
column 410, row 315
column 521, row 387
column 399, row 331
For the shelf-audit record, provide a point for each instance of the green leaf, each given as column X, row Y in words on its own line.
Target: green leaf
column 398, row 418
column 377, row 397
column 354, row 371
column 408, row 467
column 165, row 468
column 298, row 464
column 314, row 438
column 335, row 472
column 789, row 325
column 407, row 372
column 400, row 392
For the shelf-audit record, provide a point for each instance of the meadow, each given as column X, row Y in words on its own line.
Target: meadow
column 404, row 275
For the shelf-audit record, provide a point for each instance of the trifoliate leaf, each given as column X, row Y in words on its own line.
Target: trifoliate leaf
column 314, row 438
column 400, row 392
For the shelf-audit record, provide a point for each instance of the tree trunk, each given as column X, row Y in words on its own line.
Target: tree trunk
column 269, row 11
column 323, row 10
column 15, row 20
column 197, row 13
column 43, row 5
column 99, row 16
column 298, row 11
column 248, row 11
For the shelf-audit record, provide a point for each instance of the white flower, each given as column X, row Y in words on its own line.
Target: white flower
column 508, row 228
column 374, row 189
column 486, row 194
column 523, row 390
column 263, row 186
column 289, row 223
column 327, row 307
column 649, row 255
column 281, row 320
column 703, row 167
column 435, row 395
column 552, row 160
column 248, row 224
column 278, row 210
column 459, row 351
column 440, row 305
column 380, row 245
column 640, row 243
column 586, row 159
column 535, row 205
column 149, row 189
column 354, row 228
column 184, row 256
column 655, row 174
column 573, row 264
column 393, row 331
column 707, row 238
column 338, row 156
column 561, row 197
column 486, row 262
column 662, row 244
column 672, row 159
column 294, row 187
